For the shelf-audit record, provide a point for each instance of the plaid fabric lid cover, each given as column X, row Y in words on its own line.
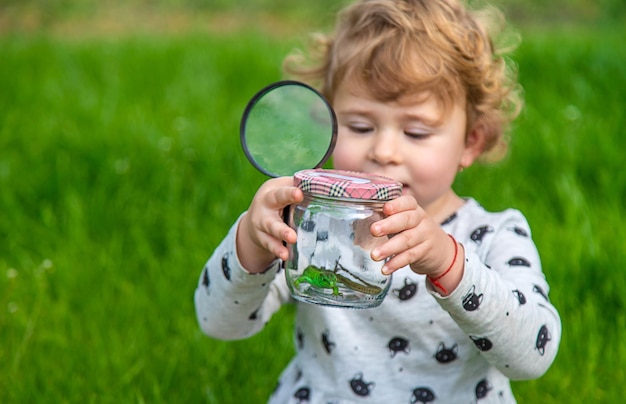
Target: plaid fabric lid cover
column 347, row 184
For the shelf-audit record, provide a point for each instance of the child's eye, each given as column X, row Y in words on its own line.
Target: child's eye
column 360, row 128
column 416, row 134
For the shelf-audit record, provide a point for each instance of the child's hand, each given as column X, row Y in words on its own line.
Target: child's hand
column 417, row 240
column 262, row 231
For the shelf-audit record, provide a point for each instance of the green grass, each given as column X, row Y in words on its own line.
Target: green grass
column 120, row 171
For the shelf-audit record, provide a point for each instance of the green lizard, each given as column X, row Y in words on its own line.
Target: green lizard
column 324, row 278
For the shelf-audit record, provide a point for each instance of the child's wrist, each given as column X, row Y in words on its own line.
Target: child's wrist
column 436, row 280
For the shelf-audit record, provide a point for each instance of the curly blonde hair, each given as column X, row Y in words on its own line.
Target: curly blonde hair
column 394, row 49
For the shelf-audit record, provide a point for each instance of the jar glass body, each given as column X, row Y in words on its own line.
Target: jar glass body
column 330, row 263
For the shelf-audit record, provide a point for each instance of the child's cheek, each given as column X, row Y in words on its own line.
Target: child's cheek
column 339, row 159
column 343, row 159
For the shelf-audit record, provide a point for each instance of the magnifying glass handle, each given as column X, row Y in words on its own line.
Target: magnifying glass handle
column 286, row 211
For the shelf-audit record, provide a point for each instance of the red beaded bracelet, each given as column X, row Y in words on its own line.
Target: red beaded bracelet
column 435, row 281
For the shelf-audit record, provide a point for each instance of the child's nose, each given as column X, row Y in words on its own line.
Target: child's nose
column 385, row 149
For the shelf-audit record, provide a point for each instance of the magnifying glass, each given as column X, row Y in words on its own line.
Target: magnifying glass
column 287, row 127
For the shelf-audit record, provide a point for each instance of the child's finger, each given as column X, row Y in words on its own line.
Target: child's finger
column 403, row 203
column 395, row 263
column 281, row 193
column 409, row 241
column 396, row 223
column 277, row 248
column 279, row 230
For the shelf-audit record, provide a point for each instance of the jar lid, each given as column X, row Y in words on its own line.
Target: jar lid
column 347, row 184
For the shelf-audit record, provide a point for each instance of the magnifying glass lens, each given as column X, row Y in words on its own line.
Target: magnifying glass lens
column 287, row 127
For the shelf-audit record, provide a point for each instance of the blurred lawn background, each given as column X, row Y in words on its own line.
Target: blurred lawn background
column 121, row 170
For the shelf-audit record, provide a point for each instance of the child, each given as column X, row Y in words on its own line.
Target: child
column 420, row 94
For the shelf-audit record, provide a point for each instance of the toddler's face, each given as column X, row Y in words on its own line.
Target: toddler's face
column 413, row 142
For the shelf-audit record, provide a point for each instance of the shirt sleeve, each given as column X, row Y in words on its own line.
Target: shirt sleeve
column 232, row 303
column 502, row 302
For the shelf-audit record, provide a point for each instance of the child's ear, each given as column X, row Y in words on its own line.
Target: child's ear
column 474, row 145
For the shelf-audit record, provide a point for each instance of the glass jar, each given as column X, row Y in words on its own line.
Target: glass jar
column 330, row 264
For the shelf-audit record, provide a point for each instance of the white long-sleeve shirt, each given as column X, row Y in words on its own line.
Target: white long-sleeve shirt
column 417, row 346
